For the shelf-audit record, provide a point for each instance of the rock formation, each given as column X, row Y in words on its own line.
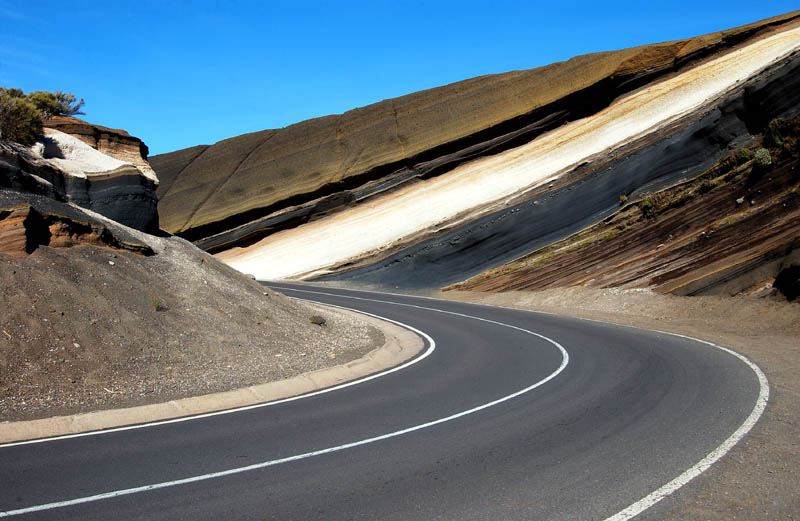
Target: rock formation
column 733, row 229
column 246, row 187
column 437, row 186
column 98, row 168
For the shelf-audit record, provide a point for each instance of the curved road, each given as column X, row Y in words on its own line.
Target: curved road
column 507, row 415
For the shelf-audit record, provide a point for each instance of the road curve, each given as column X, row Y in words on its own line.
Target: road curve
column 513, row 415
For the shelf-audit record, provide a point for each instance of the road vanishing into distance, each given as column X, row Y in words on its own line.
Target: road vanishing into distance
column 505, row 415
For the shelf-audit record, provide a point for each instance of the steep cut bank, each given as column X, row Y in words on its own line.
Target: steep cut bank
column 98, row 168
column 100, row 315
column 590, row 193
column 734, row 229
column 242, row 189
column 688, row 108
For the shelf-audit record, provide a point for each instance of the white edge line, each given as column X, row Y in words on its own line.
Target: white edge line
column 701, row 466
column 256, row 466
column 698, row 468
column 431, row 348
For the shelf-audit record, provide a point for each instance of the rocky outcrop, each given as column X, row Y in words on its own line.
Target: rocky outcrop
column 239, row 190
column 112, row 142
column 734, row 229
column 591, row 192
column 101, row 169
column 28, row 222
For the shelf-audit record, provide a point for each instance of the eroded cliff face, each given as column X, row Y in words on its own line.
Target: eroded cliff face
column 591, row 192
column 102, row 169
column 593, row 128
column 242, row 189
column 733, row 229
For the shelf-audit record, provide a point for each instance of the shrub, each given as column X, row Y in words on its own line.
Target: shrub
column 21, row 115
column 773, row 137
column 157, row 305
column 56, row 103
column 743, row 155
column 20, row 120
column 762, row 158
column 647, row 207
column 623, row 199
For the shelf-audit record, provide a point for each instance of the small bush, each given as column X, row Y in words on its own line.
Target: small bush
column 762, row 158
column 20, row 120
column 773, row 136
column 743, row 155
column 56, row 103
column 647, row 207
column 623, row 199
column 317, row 320
column 21, row 115
column 157, row 305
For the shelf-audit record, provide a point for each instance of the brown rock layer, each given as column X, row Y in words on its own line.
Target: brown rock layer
column 731, row 230
column 213, row 190
column 28, row 222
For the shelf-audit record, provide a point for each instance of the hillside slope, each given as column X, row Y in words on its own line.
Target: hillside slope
column 732, row 230
column 99, row 315
column 246, row 187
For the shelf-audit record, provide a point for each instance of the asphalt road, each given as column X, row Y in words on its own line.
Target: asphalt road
column 496, row 422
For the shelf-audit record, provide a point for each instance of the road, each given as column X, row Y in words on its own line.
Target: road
column 506, row 415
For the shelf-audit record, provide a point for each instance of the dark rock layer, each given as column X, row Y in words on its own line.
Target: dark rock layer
column 587, row 195
column 244, row 188
column 124, row 195
column 28, row 221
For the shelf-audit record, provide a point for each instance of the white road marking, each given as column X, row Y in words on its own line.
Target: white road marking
column 701, row 466
column 698, row 468
column 265, row 464
column 431, row 348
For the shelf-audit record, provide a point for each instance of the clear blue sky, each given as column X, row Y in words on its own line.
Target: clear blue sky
column 178, row 73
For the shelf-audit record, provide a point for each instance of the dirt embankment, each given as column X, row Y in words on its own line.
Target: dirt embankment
column 758, row 478
column 99, row 316
column 731, row 230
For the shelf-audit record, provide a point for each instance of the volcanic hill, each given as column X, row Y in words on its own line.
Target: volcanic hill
column 432, row 188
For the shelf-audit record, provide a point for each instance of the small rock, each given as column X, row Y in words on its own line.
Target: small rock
column 111, row 262
column 77, row 345
column 317, row 320
column 740, row 200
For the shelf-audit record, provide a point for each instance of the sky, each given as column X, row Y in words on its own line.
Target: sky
column 180, row 73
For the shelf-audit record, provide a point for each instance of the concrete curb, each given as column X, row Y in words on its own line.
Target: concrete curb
column 399, row 346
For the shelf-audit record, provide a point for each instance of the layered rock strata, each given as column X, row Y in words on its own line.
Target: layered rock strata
column 734, row 229
column 101, row 169
column 241, row 189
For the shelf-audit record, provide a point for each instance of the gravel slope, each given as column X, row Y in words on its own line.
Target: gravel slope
column 89, row 327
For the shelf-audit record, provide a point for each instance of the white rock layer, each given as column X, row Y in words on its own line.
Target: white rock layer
column 484, row 184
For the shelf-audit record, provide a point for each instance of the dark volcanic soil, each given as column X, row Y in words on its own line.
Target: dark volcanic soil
column 89, row 327
column 728, row 231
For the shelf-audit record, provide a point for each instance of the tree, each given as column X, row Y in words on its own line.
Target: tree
column 20, row 119
column 21, row 115
column 56, row 103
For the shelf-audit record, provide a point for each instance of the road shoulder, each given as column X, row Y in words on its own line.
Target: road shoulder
column 757, row 478
column 400, row 345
